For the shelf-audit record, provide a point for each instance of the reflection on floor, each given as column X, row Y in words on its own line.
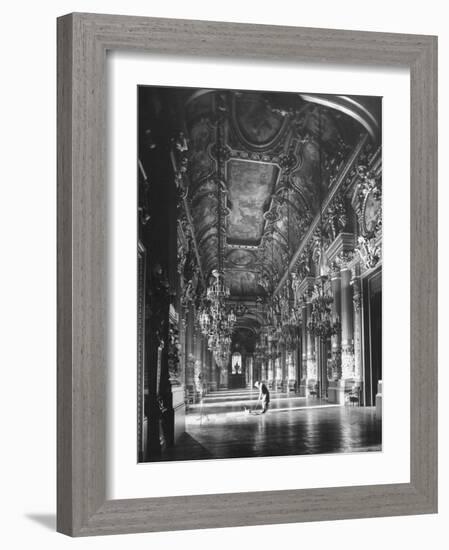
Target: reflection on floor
column 220, row 427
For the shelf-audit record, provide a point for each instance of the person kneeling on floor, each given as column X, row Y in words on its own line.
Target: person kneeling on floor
column 264, row 396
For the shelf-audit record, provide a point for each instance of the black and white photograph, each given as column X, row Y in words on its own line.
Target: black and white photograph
column 259, row 274
column 220, row 286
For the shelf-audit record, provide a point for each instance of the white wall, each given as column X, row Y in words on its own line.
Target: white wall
column 27, row 299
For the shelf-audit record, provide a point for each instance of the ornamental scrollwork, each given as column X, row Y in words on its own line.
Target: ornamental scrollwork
column 173, row 349
column 180, row 150
column 357, row 295
column 337, row 217
column 344, row 259
column 369, row 251
column 368, row 201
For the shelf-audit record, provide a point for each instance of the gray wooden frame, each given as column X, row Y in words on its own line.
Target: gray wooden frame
column 83, row 40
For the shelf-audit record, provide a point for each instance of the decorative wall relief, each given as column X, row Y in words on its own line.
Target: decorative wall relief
column 173, row 349
column 336, row 219
column 367, row 200
column 369, row 250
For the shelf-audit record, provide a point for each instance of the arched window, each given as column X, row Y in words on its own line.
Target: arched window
column 236, row 363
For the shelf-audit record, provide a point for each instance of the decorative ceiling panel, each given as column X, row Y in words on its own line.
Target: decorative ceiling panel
column 257, row 124
column 240, row 258
column 276, row 156
column 250, row 185
column 243, row 282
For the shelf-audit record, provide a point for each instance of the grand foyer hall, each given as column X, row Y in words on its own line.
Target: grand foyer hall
column 259, row 260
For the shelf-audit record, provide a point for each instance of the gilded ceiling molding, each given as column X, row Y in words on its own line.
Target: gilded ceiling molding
column 339, row 182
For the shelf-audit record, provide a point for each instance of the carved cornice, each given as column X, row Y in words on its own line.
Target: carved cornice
column 316, row 223
column 343, row 243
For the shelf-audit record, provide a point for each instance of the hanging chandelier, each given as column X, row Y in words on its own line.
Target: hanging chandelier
column 216, row 319
column 217, row 323
column 322, row 323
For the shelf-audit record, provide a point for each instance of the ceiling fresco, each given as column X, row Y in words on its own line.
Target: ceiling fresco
column 257, row 124
column 276, row 161
column 250, row 185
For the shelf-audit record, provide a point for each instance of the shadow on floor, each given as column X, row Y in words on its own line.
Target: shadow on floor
column 191, row 450
column 46, row 520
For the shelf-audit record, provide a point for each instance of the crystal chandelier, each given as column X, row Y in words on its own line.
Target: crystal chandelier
column 321, row 323
column 215, row 318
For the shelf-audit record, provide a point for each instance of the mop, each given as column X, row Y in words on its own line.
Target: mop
column 253, row 411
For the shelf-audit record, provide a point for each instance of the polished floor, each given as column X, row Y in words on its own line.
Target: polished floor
column 225, row 425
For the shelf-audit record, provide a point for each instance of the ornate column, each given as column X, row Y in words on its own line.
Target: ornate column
column 291, row 369
column 280, row 366
column 340, row 254
column 335, row 277
column 311, row 350
column 197, row 363
column 205, row 364
column 190, row 357
column 264, row 370
column 250, row 370
column 224, row 377
column 213, row 385
column 309, row 368
column 321, row 355
column 303, row 358
column 357, row 303
column 183, row 347
column 347, row 320
column 270, row 366
column 297, row 355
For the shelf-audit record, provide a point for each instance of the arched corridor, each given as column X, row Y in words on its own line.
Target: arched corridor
column 259, row 274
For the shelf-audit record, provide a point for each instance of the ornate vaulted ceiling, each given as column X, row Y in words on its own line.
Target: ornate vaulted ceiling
column 276, row 159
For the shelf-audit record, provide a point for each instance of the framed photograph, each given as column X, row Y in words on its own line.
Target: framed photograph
column 247, row 274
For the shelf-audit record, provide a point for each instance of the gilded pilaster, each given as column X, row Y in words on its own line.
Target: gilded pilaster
column 335, row 277
column 357, row 304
